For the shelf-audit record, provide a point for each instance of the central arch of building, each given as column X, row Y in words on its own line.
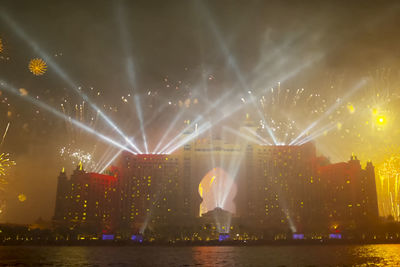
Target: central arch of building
column 217, row 189
column 212, row 176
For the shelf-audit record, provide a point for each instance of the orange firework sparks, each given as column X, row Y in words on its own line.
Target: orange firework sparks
column 389, row 186
column 37, row 66
column 5, row 163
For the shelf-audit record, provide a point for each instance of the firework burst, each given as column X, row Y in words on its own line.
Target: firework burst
column 3, row 183
column 79, row 112
column 21, row 197
column 373, row 114
column 389, row 187
column 37, row 66
column 78, row 142
column 75, row 156
column 5, row 163
column 286, row 112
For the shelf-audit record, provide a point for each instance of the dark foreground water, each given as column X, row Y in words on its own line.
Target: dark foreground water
column 330, row 255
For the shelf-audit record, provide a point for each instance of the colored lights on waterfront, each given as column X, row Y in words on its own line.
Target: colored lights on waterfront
column 298, row 236
column 223, row 237
column 335, row 236
column 137, row 238
column 107, row 237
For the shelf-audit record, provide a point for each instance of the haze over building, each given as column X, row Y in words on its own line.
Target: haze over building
column 248, row 188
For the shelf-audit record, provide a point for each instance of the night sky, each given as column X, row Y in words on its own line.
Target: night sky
column 180, row 57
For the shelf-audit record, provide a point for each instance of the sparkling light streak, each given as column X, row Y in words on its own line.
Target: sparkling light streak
column 57, row 113
column 338, row 103
column 62, row 74
column 242, row 135
column 111, row 161
column 140, row 116
column 212, row 107
column 203, row 128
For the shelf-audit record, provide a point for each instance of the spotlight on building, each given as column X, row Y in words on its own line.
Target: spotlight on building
column 223, row 237
column 297, row 236
column 138, row 238
column 107, row 237
column 335, row 236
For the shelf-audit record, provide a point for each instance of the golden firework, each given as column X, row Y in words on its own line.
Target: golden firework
column 21, row 197
column 389, row 186
column 5, row 163
column 37, row 66
column 3, row 183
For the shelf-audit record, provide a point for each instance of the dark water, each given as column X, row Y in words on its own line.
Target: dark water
column 366, row 255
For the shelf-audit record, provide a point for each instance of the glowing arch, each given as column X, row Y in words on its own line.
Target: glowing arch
column 218, row 190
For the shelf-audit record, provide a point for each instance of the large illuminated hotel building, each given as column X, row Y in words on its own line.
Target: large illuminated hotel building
column 257, row 189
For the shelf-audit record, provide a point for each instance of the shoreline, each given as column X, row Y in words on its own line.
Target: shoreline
column 123, row 243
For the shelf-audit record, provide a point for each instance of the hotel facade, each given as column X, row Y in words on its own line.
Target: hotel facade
column 269, row 191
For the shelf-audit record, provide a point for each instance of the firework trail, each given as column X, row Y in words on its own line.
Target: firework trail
column 5, row 164
column 5, row 134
